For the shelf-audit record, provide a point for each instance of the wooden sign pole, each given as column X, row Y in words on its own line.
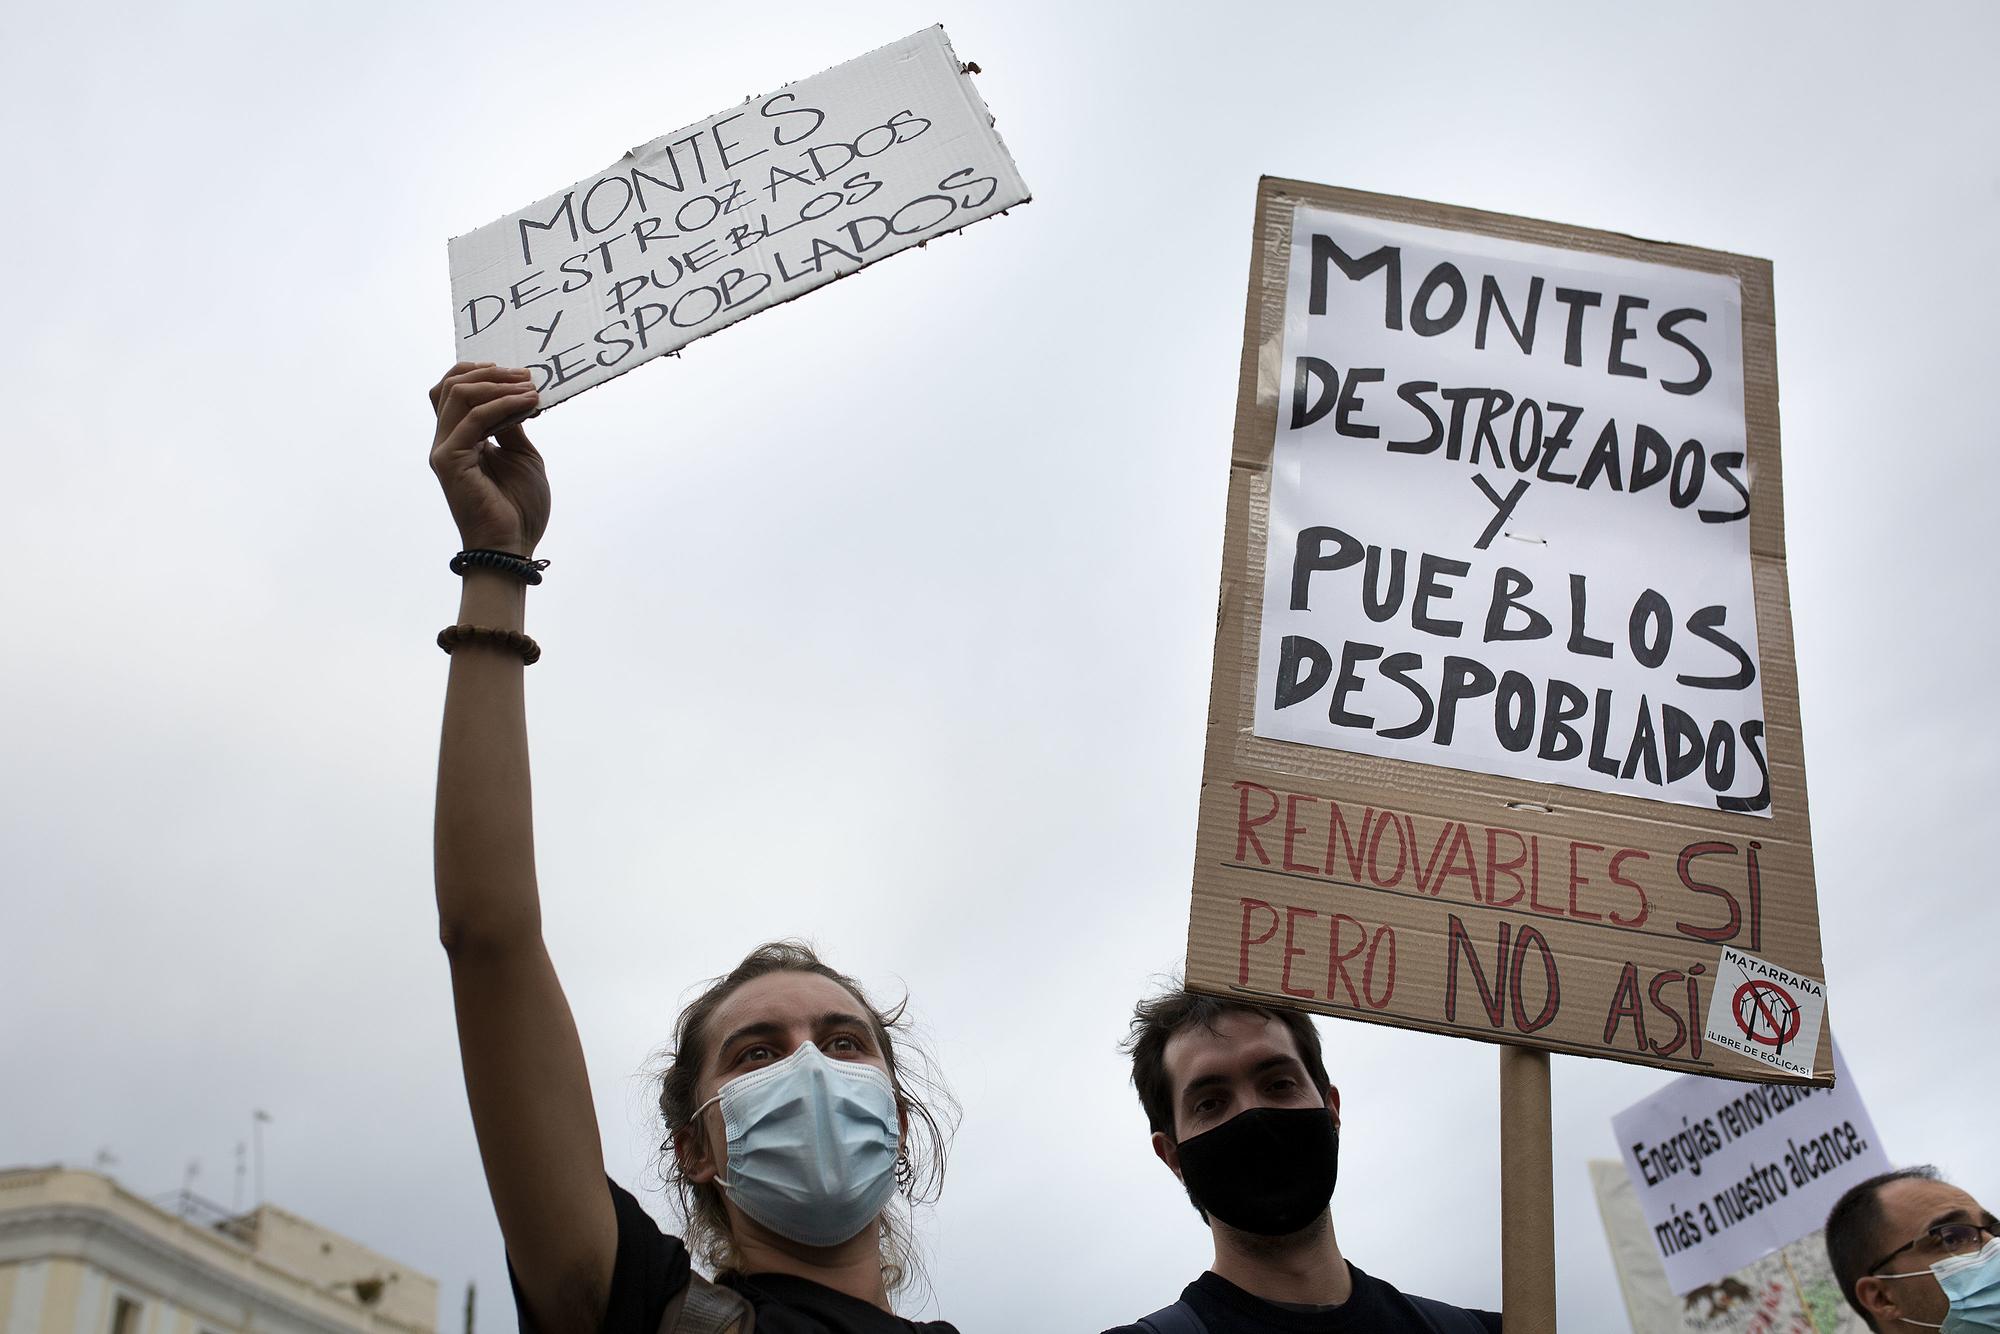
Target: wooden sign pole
column 1527, row 1194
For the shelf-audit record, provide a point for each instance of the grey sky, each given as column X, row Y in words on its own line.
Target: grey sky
column 885, row 617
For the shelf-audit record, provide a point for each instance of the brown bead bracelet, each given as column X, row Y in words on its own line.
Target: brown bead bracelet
column 452, row 636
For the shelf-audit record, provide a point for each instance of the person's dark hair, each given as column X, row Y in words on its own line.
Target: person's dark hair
column 1853, row 1227
column 918, row 1092
column 1155, row 1021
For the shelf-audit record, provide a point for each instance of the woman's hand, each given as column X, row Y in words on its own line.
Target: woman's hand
column 492, row 476
column 524, row 1070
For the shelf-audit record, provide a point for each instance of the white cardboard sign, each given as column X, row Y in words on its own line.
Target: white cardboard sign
column 1790, row 1291
column 1510, row 515
column 716, row 221
column 1728, row 1172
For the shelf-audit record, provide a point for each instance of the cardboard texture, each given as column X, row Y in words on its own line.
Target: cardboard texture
column 716, row 221
column 1489, row 905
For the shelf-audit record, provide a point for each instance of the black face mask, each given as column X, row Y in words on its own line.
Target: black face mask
column 1269, row 1170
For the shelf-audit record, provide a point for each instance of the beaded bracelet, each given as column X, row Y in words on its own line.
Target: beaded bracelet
column 452, row 636
column 521, row 567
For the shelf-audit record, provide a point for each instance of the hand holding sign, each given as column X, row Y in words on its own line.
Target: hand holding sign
column 492, row 474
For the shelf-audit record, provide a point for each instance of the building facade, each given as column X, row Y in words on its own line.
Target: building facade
column 81, row 1255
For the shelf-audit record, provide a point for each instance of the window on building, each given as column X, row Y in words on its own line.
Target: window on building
column 124, row 1316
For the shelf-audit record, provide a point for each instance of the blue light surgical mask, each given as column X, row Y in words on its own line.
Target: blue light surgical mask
column 812, row 1145
column 1972, row 1283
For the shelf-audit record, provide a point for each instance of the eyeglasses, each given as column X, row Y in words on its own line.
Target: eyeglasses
column 1948, row 1238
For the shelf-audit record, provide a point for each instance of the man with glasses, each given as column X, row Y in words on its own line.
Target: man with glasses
column 1911, row 1251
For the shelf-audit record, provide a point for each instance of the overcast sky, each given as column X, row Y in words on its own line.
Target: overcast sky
column 884, row 618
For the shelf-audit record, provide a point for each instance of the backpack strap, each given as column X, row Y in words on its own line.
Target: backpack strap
column 1179, row 1318
column 1446, row 1318
column 703, row 1307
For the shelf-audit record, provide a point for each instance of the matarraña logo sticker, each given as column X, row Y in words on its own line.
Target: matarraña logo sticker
column 1765, row 1012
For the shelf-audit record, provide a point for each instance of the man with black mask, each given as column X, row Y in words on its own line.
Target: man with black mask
column 1244, row 1114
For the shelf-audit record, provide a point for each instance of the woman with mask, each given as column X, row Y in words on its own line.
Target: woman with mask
column 792, row 1128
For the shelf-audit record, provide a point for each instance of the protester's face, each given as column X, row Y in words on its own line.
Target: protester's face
column 1910, row 1208
column 1245, row 1061
column 766, row 1020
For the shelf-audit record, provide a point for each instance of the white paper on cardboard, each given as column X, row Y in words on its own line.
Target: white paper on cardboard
column 1727, row 1172
column 1765, row 1012
column 1510, row 515
column 714, row 222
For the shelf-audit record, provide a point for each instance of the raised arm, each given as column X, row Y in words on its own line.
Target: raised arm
column 524, row 1070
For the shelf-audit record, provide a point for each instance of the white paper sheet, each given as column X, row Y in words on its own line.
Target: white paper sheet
column 714, row 222
column 1589, row 604
column 1765, row 1012
column 1790, row 1291
column 1728, row 1172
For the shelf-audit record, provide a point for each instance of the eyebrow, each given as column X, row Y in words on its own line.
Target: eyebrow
column 1955, row 1214
column 1264, row 1066
column 842, row 1019
column 763, row 1028
column 771, row 1028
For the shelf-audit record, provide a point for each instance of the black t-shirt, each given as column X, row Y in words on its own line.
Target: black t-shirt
column 1373, row 1308
column 652, row 1267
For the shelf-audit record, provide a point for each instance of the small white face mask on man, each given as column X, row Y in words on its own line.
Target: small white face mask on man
column 1972, row 1283
column 812, row 1145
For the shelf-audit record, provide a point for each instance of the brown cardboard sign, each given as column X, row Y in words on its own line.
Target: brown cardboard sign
column 1503, row 727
